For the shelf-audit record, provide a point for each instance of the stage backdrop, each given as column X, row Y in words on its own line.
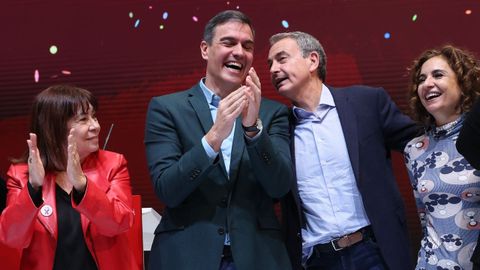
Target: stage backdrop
column 125, row 52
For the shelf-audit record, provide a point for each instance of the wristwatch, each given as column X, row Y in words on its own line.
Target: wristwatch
column 257, row 127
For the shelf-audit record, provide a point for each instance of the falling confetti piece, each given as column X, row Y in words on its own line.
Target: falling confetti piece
column 150, row 7
column 165, row 15
column 161, row 26
column 66, row 72
column 36, row 75
column 130, row 14
column 195, row 19
column 468, row 11
column 386, row 35
column 137, row 22
column 414, row 17
column 238, row 7
column 285, row 24
column 53, row 49
column 228, row 2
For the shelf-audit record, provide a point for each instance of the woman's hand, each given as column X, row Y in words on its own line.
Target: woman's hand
column 74, row 169
column 36, row 172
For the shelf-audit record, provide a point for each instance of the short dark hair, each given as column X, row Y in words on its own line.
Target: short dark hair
column 221, row 18
column 51, row 111
column 307, row 44
column 466, row 69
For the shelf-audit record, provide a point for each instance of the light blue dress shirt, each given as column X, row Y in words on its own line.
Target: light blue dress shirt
column 226, row 146
column 330, row 199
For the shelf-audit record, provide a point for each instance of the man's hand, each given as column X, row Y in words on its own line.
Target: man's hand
column 228, row 110
column 254, row 96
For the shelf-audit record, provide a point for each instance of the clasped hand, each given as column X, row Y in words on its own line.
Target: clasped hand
column 245, row 101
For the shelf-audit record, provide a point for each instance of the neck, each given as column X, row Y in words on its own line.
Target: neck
column 442, row 120
column 308, row 97
column 62, row 181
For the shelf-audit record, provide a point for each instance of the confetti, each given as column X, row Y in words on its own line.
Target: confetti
column 66, row 72
column 386, row 35
column 137, row 22
column 161, row 26
column 285, row 24
column 53, row 49
column 238, row 7
column 165, row 15
column 195, row 19
column 414, row 17
column 150, row 7
column 468, row 12
column 130, row 14
column 36, row 75
column 228, row 3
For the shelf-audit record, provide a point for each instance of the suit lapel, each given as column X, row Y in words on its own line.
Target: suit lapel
column 238, row 147
column 349, row 126
column 200, row 106
column 197, row 100
column 48, row 210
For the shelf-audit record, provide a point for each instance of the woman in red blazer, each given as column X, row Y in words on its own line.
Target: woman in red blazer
column 68, row 203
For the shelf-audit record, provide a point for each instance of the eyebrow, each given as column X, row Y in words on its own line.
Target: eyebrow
column 278, row 54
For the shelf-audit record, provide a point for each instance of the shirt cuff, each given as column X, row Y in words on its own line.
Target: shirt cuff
column 209, row 150
column 254, row 138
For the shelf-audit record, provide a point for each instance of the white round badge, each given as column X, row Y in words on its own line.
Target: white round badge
column 46, row 210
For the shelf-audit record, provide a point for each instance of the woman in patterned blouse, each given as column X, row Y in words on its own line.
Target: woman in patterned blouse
column 444, row 84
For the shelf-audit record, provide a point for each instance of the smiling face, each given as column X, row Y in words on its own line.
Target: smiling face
column 86, row 133
column 290, row 72
column 229, row 56
column 438, row 90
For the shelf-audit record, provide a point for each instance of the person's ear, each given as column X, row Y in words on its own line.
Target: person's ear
column 204, row 49
column 314, row 60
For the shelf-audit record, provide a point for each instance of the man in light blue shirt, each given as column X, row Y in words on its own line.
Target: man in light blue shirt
column 345, row 211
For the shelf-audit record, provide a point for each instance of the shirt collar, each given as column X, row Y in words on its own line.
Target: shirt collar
column 206, row 92
column 326, row 103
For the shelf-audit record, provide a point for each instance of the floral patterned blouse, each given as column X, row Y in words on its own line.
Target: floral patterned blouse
column 447, row 192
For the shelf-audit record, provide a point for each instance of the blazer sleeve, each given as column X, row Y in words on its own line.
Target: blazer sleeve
column 18, row 219
column 111, row 211
column 468, row 142
column 175, row 171
column 270, row 155
column 398, row 128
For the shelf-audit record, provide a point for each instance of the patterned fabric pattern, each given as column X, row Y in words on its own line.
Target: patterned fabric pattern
column 447, row 193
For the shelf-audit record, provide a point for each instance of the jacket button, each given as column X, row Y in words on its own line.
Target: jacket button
column 221, row 231
column 223, row 202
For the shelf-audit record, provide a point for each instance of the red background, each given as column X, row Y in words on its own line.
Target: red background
column 124, row 65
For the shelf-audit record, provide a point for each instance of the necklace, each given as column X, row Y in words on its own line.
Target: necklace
column 445, row 129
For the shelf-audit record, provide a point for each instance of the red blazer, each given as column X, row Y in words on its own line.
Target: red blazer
column 105, row 210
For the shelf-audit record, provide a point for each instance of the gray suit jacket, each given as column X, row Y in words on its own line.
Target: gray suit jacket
column 202, row 203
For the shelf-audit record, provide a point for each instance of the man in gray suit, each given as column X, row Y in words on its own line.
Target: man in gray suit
column 219, row 157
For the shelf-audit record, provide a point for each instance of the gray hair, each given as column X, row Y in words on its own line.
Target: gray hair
column 307, row 44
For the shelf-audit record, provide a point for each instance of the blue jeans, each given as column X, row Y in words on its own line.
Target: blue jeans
column 361, row 256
